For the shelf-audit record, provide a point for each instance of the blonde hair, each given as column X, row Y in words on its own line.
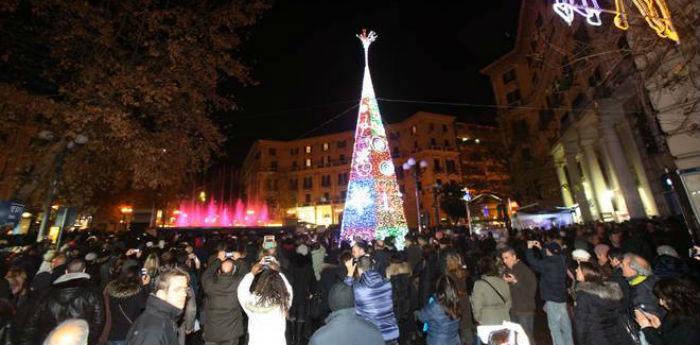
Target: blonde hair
column 151, row 264
column 454, row 265
column 398, row 268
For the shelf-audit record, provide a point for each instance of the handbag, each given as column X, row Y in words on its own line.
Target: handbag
column 631, row 328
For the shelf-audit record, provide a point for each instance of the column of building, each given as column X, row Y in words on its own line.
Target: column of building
column 564, row 185
column 570, row 153
column 600, row 189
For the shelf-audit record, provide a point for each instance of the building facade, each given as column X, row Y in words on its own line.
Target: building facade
column 578, row 123
column 307, row 179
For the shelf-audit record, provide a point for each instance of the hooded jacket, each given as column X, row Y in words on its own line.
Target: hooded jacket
column 126, row 302
column 344, row 327
column 442, row 330
column 72, row 296
column 224, row 320
column 373, row 302
column 157, row 325
column 597, row 314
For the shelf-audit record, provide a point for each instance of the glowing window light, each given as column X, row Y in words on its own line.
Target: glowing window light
column 374, row 207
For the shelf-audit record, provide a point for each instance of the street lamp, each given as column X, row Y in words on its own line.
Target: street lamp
column 79, row 139
column 415, row 168
column 467, row 198
column 126, row 215
column 436, row 190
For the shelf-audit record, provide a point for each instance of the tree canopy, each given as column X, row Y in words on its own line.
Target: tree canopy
column 139, row 78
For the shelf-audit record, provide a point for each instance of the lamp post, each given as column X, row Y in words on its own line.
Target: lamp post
column 467, row 198
column 436, row 190
column 415, row 167
column 126, row 216
column 79, row 139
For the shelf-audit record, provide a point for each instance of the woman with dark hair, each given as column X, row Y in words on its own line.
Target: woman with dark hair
column 267, row 303
column 442, row 314
column 455, row 269
column 125, row 298
column 491, row 300
column 598, row 309
column 680, row 326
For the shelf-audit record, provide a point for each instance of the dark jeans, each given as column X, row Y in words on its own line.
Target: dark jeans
column 526, row 321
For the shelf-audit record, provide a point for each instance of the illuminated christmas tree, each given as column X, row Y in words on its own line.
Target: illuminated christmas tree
column 373, row 208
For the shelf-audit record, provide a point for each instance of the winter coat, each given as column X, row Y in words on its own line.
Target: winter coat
column 667, row 266
column 674, row 332
column 45, row 279
column 552, row 270
column 616, row 276
column 403, row 295
column 642, row 295
column 442, row 330
column 381, row 260
column 465, row 306
column 125, row 303
column 72, row 296
column 224, row 320
column 523, row 292
column 373, row 302
column 303, row 281
column 428, row 275
column 597, row 315
column 266, row 324
column 157, row 325
column 344, row 327
column 487, row 306
column 414, row 255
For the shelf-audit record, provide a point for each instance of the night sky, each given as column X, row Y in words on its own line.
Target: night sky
column 308, row 63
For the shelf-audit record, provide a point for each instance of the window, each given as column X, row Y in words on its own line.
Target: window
column 432, row 126
column 308, row 163
column 273, row 165
column 450, row 166
column 343, row 194
column 342, row 158
column 509, row 76
column 308, row 182
column 436, row 165
column 325, row 146
column 513, row 97
column 293, row 183
column 395, row 152
column 342, row 144
column 272, row 151
column 447, row 142
column 307, row 198
column 414, row 129
column 325, row 180
column 342, row 179
column 294, row 164
column 294, row 151
column 433, row 142
column 308, row 149
column 539, row 21
column 444, row 128
column 326, row 197
column 415, row 144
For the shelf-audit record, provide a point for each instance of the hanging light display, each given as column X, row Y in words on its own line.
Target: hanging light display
column 655, row 12
column 374, row 208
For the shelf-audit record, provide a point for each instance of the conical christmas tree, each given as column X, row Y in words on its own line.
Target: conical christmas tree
column 373, row 208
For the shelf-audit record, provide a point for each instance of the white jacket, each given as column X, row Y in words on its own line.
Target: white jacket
column 266, row 324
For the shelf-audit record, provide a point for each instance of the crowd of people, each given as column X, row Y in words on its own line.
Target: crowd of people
column 602, row 283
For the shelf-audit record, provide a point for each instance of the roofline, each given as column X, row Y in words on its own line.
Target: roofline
column 516, row 46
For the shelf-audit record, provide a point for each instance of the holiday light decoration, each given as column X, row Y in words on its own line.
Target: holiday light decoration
column 374, row 208
column 655, row 12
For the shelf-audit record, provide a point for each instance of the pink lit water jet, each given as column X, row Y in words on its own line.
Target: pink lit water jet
column 215, row 214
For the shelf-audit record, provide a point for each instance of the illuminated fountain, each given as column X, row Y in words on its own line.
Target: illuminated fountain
column 214, row 214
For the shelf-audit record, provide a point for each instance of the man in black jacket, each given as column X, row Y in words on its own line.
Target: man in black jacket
column 72, row 296
column 552, row 270
column 523, row 286
column 158, row 323
column 224, row 322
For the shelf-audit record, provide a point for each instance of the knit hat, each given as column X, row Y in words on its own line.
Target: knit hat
column 602, row 249
column 580, row 255
column 341, row 297
column 667, row 250
column 553, row 248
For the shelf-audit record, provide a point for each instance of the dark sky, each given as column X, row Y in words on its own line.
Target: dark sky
column 309, row 63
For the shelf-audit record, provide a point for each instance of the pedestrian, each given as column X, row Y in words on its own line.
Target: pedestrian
column 601, row 259
column 523, row 287
column 303, row 281
column 71, row 296
column 641, row 281
column 224, row 316
column 598, row 309
column 456, row 270
column 681, row 299
column 442, row 314
column 158, row 324
column 373, row 297
column 616, row 256
column 404, row 297
column 490, row 298
column 267, row 304
column 343, row 325
column 552, row 284
column 44, row 279
column 126, row 297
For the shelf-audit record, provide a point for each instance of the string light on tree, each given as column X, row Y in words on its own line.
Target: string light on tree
column 374, row 208
column 655, row 12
